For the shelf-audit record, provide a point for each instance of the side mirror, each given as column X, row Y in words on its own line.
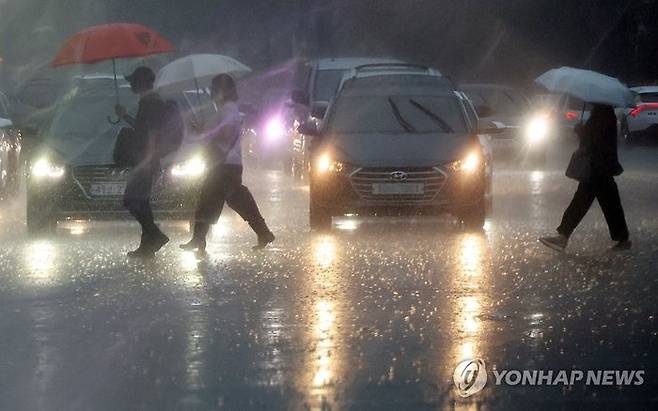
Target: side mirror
column 318, row 110
column 484, row 111
column 309, row 129
column 300, row 97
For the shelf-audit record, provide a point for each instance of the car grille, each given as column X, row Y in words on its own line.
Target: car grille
column 85, row 176
column 432, row 178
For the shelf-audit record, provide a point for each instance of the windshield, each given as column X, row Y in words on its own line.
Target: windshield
column 649, row 97
column 80, row 128
column 326, row 84
column 500, row 101
column 397, row 114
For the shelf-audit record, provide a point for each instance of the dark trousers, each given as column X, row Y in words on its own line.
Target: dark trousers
column 223, row 184
column 137, row 198
column 604, row 189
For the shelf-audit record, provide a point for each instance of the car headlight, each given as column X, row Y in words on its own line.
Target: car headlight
column 274, row 129
column 192, row 168
column 326, row 164
column 469, row 164
column 537, row 129
column 45, row 168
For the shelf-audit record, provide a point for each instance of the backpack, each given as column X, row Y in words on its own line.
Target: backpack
column 172, row 130
column 129, row 150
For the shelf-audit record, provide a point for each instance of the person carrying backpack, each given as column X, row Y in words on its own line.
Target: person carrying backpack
column 148, row 125
column 223, row 183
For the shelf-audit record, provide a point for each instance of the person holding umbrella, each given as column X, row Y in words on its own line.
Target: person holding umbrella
column 223, row 183
column 598, row 138
column 146, row 125
column 124, row 41
column 595, row 163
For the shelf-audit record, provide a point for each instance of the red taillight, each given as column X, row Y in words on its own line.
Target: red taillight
column 642, row 107
column 571, row 115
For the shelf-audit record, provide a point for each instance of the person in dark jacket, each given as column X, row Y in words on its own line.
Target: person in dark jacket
column 598, row 138
column 223, row 183
column 137, row 197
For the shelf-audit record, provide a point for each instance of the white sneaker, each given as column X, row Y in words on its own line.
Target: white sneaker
column 557, row 243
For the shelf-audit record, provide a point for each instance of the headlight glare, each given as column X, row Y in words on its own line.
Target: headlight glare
column 193, row 167
column 326, row 164
column 44, row 168
column 537, row 129
column 469, row 164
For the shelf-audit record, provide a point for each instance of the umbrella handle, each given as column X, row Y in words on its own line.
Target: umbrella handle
column 116, row 91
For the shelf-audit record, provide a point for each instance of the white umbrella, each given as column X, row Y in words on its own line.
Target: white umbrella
column 588, row 86
column 196, row 71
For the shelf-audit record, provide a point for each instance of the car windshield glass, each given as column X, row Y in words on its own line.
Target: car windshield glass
column 397, row 114
column 80, row 127
column 649, row 97
column 500, row 101
column 326, row 84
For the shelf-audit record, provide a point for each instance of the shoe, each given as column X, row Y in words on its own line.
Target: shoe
column 557, row 243
column 142, row 253
column 157, row 241
column 264, row 240
column 622, row 245
column 195, row 244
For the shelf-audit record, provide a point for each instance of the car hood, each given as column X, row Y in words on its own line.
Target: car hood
column 398, row 150
column 79, row 150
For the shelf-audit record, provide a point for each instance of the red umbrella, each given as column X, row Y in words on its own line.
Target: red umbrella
column 110, row 42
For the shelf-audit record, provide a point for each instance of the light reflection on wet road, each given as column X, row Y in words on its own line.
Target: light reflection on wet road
column 373, row 315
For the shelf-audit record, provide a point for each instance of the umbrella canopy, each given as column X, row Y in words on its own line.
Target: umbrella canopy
column 196, row 71
column 111, row 41
column 588, row 86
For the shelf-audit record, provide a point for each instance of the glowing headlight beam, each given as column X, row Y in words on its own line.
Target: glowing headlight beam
column 194, row 167
column 274, row 129
column 43, row 168
column 537, row 129
column 324, row 163
column 471, row 163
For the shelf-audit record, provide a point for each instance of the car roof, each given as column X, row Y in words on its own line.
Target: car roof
column 645, row 89
column 347, row 63
column 396, row 84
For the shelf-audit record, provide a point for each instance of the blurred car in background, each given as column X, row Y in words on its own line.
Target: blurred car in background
column 270, row 125
column 11, row 143
column 525, row 132
column 640, row 124
column 33, row 103
column 322, row 78
column 71, row 174
column 565, row 111
column 406, row 146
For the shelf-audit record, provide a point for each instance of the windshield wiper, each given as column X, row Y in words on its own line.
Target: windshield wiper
column 438, row 120
column 404, row 123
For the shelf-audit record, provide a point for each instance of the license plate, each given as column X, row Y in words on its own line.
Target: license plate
column 398, row 188
column 107, row 189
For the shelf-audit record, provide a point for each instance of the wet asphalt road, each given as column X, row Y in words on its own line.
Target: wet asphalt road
column 373, row 315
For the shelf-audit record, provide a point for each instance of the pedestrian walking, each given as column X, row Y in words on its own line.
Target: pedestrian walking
column 595, row 164
column 223, row 182
column 147, row 125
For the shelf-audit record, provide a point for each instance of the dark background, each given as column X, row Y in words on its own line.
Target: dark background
column 475, row 40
